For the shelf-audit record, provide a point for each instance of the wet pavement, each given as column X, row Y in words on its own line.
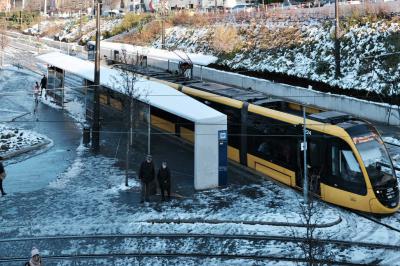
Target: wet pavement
column 34, row 170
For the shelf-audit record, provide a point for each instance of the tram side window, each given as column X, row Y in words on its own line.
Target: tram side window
column 346, row 171
column 269, row 139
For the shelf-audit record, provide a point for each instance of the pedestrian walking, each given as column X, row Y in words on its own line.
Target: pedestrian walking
column 147, row 176
column 2, row 176
column 35, row 259
column 36, row 92
column 164, row 180
column 43, row 85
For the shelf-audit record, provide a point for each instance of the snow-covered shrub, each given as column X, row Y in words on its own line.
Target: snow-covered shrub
column 226, row 39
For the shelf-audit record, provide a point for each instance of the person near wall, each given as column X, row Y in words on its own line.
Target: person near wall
column 2, row 176
column 164, row 180
column 147, row 176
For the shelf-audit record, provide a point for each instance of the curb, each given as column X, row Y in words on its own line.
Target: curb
column 26, row 149
column 193, row 221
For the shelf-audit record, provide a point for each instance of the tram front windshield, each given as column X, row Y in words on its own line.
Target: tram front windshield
column 376, row 160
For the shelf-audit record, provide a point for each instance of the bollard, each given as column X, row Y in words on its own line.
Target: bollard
column 86, row 135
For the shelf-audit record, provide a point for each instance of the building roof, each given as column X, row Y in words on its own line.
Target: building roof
column 176, row 55
column 154, row 93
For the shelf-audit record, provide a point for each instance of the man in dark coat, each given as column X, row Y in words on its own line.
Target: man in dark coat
column 43, row 84
column 164, row 180
column 2, row 172
column 147, row 175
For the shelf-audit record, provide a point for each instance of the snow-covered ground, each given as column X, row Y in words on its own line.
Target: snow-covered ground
column 112, row 208
column 69, row 29
column 90, row 198
column 13, row 140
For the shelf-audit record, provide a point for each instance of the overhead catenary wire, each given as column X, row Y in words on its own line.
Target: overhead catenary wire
column 165, row 123
column 144, row 132
column 19, row 92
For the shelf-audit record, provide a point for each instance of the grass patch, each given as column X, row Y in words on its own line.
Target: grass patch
column 131, row 20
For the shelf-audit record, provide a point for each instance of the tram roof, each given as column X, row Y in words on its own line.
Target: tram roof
column 156, row 94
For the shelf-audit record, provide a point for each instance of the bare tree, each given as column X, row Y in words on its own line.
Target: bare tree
column 133, row 105
column 313, row 251
column 4, row 40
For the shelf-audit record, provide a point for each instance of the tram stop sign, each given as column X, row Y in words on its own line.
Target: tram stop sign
column 222, row 158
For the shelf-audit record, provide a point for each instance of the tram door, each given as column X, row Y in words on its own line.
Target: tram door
column 315, row 161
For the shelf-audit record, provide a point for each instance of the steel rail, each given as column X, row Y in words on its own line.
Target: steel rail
column 372, row 219
column 216, row 236
column 186, row 255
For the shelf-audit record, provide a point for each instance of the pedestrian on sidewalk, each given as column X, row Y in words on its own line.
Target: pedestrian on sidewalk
column 43, row 85
column 35, row 259
column 147, row 176
column 36, row 92
column 2, row 176
column 164, row 180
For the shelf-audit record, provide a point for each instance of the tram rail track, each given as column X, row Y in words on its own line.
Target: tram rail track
column 224, row 255
column 216, row 236
column 375, row 220
column 186, row 255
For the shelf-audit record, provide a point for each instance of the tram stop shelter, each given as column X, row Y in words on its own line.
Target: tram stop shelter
column 210, row 134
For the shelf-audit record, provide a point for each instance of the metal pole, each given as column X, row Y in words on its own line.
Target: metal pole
column 80, row 23
column 40, row 17
column 337, row 43
column 162, row 33
column 162, row 24
column 96, row 100
column 148, row 129
column 305, row 185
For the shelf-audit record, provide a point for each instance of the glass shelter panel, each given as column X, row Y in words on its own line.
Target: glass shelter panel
column 55, row 85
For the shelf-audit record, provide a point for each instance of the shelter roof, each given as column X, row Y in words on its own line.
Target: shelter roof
column 154, row 93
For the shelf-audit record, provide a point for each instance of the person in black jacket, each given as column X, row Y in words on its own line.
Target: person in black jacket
column 164, row 180
column 147, row 175
column 43, row 85
column 2, row 176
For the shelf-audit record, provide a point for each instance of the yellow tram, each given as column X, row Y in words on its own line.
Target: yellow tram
column 348, row 162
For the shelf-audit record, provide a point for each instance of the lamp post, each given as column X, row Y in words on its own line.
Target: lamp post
column 96, row 98
column 337, row 43
column 305, row 184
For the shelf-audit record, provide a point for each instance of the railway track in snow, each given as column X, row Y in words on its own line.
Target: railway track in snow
column 176, row 245
column 252, row 258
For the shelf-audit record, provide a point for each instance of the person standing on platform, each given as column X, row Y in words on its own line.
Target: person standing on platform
column 43, row 85
column 147, row 176
column 2, row 176
column 164, row 180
